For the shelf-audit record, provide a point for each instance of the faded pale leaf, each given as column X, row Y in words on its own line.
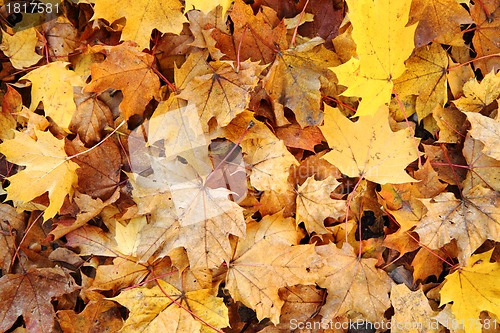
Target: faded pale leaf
column 270, row 161
column 470, row 221
column 478, row 95
column 486, row 130
column 206, row 215
column 47, row 169
column 314, row 204
column 269, row 258
column 354, row 285
column 91, row 240
column 360, row 149
column 411, row 311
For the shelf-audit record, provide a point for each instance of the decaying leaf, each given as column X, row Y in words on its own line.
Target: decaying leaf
column 30, row 295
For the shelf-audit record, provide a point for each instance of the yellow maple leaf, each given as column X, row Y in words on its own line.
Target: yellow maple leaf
column 360, row 149
column 56, row 95
column 142, row 17
column 206, row 6
column 383, row 43
column 425, row 77
column 472, row 289
column 47, row 169
column 478, row 95
column 20, row 48
column 153, row 309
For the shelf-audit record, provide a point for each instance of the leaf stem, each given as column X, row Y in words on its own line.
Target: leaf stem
column 98, row 144
column 298, row 24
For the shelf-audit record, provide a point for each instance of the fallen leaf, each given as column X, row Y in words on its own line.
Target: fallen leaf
column 359, row 149
column 56, row 95
column 486, row 130
column 472, row 289
column 165, row 308
column 354, row 285
column 438, row 20
column 129, row 70
column 30, row 295
column 259, row 35
column 255, row 273
column 470, row 220
column 91, row 118
column 221, row 92
column 296, row 137
column 142, row 17
column 294, row 82
column 478, row 95
column 486, row 40
column 208, row 6
column 483, row 170
column 425, row 77
column 48, row 169
column 383, row 43
column 411, row 311
column 20, row 48
column 105, row 318
column 314, row 204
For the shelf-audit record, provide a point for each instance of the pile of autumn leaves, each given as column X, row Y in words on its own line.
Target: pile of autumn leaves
column 188, row 218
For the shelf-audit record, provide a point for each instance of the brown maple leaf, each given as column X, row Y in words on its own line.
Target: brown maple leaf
column 30, row 295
